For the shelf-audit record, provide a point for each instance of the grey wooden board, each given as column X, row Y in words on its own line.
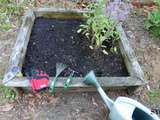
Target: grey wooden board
column 136, row 77
column 129, row 55
column 19, row 50
column 78, row 82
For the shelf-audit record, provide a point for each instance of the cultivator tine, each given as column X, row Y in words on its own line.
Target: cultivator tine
column 59, row 68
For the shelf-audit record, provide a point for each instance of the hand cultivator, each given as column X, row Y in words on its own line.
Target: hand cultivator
column 59, row 68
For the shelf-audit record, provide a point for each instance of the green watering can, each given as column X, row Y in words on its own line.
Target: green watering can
column 122, row 108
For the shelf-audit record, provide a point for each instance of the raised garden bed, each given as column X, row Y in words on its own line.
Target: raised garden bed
column 48, row 36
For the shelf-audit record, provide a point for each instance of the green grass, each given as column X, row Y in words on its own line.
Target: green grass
column 10, row 9
column 1, row 77
column 7, row 94
column 154, row 95
column 152, row 23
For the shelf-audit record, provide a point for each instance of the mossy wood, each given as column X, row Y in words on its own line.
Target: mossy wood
column 136, row 77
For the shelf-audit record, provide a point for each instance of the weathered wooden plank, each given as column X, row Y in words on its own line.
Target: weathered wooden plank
column 78, row 82
column 129, row 55
column 59, row 13
column 19, row 50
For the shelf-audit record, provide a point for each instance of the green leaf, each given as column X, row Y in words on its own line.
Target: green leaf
column 155, row 31
column 87, row 34
column 147, row 24
column 79, row 30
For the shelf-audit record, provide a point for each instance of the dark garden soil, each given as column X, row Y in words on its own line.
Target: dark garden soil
column 57, row 40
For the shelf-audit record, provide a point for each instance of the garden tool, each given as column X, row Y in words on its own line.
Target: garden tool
column 39, row 80
column 69, row 80
column 122, row 108
column 59, row 68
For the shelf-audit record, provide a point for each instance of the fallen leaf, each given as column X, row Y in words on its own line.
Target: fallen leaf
column 91, row 47
column 6, row 107
column 105, row 52
column 94, row 102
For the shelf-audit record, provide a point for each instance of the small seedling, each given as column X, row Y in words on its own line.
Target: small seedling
column 98, row 27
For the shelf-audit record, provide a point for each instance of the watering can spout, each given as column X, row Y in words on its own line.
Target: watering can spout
column 122, row 108
column 90, row 79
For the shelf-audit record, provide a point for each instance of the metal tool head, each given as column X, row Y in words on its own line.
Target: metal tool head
column 59, row 68
column 90, row 79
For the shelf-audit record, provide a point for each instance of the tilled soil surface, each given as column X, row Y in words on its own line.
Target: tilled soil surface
column 56, row 40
